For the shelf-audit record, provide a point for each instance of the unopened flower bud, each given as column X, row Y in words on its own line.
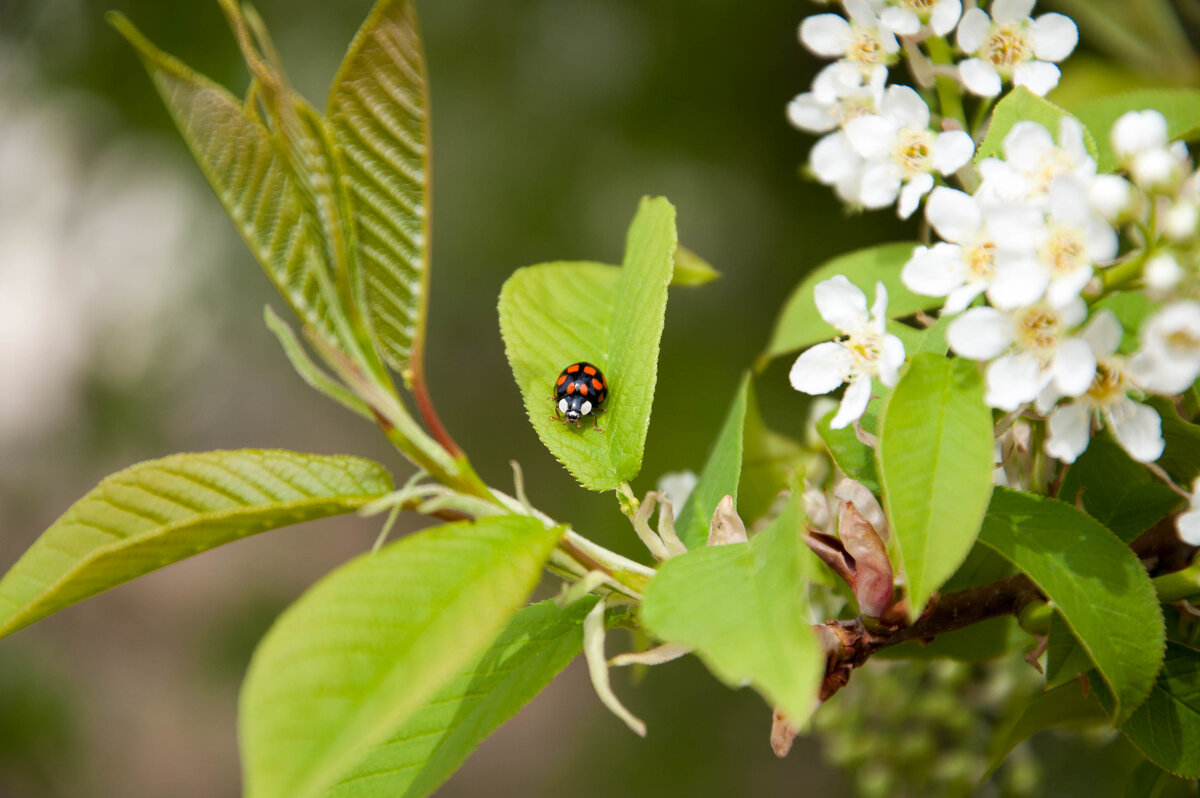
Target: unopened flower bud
column 727, row 526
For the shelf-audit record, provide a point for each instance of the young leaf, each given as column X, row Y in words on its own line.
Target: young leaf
column 1097, row 584
column 1067, row 706
column 559, row 313
column 538, row 642
column 1147, row 781
column 1065, row 658
column 1166, row 728
column 855, row 458
column 162, row 511
column 378, row 114
column 369, row 645
column 251, row 178
column 1116, row 491
column 741, row 608
column 720, row 476
column 1022, row 105
column 691, row 270
column 799, row 325
column 935, row 466
column 1181, row 107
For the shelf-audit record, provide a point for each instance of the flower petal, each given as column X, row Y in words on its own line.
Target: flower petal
column 1064, row 288
column 821, row 368
column 960, row 298
column 890, row 360
column 871, row 136
column 901, row 21
column 806, row 113
column 1054, row 37
column 854, row 403
column 841, row 303
column 1074, row 367
column 973, row 29
column 979, row 76
column 1012, row 10
column 1136, row 131
column 910, row 196
column 1103, row 333
column 1138, row 429
column 1013, row 380
column 880, row 185
column 1110, row 194
column 951, row 150
column 833, row 159
column 953, row 214
column 936, row 270
column 1037, row 76
column 826, row 35
column 1026, row 144
column 1070, row 428
column 1018, row 282
column 1188, row 525
column 980, row 333
column 945, row 16
column 905, row 107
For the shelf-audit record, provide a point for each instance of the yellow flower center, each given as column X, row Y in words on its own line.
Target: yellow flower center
column 1039, row 330
column 920, row 6
column 1006, row 46
column 981, row 260
column 1064, row 251
column 1109, row 383
column 1183, row 339
column 866, row 345
column 865, row 48
column 913, row 151
column 854, row 107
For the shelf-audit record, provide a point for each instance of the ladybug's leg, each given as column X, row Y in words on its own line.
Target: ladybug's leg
column 595, row 423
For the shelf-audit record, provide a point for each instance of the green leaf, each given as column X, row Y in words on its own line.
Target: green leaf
column 855, row 458
column 769, row 462
column 741, row 608
column 1147, row 781
column 691, row 270
column 1067, row 706
column 1096, row 583
column 1166, row 728
column 935, row 466
column 416, row 758
column 251, row 177
column 1065, row 658
column 1116, row 491
column 1181, row 455
column 799, row 325
column 720, row 476
column 1022, row 105
column 369, row 645
column 162, row 511
column 559, row 313
column 1131, row 309
column 378, row 114
column 1181, row 107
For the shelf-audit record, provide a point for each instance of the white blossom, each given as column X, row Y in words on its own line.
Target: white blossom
column 1029, row 348
column 1188, row 524
column 862, row 40
column 1161, row 274
column 1140, row 143
column 868, row 351
column 1137, row 427
column 1033, row 161
column 1168, row 361
column 905, row 17
column 1009, row 45
column 1071, row 241
column 902, row 152
column 990, row 249
column 840, row 92
column 835, row 163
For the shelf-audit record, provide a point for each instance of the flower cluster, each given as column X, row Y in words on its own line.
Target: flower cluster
column 882, row 144
column 1078, row 290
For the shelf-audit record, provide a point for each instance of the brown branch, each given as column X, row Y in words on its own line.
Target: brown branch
column 420, row 392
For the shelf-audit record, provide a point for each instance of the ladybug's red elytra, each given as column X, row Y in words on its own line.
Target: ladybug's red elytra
column 579, row 391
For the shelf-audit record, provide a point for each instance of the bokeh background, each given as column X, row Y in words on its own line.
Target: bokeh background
column 130, row 328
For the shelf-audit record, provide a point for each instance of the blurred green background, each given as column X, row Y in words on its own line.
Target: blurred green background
column 130, row 327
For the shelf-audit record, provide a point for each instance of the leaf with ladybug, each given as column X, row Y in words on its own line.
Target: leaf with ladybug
column 555, row 315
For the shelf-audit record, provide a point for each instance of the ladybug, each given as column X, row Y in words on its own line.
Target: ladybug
column 579, row 391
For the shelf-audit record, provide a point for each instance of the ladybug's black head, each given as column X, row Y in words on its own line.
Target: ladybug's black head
column 574, row 407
